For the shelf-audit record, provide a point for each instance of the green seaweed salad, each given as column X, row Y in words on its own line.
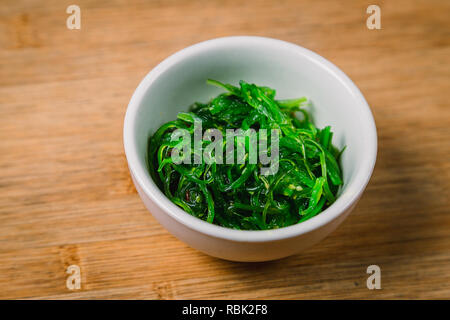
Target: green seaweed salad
column 238, row 196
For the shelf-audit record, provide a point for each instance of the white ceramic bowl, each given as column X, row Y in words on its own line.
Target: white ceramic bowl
column 293, row 71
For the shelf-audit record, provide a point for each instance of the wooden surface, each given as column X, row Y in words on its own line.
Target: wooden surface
column 65, row 192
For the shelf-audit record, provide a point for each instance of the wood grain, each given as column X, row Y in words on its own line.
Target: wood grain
column 66, row 196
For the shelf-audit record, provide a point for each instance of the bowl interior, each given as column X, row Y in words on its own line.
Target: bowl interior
column 293, row 71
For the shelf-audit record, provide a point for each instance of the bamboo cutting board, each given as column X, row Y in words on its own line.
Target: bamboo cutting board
column 66, row 197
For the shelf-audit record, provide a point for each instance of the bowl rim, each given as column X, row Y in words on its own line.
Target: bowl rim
column 151, row 190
